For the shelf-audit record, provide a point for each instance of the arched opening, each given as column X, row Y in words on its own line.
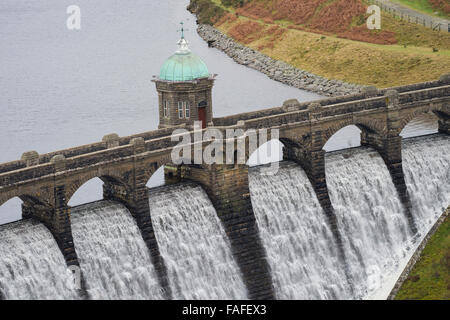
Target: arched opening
column 90, row 191
column 423, row 124
column 157, row 179
column 11, row 210
column 22, row 207
column 347, row 137
column 271, row 151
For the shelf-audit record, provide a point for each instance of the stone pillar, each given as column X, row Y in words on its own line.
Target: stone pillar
column 31, row 158
column 312, row 160
column 111, row 140
column 444, row 125
column 136, row 201
column 56, row 217
column 60, row 226
column 390, row 149
column 228, row 190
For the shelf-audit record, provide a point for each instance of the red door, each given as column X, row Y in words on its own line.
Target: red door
column 202, row 116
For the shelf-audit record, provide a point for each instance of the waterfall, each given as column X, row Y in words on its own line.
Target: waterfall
column 427, row 174
column 31, row 264
column 114, row 258
column 194, row 245
column 299, row 244
column 371, row 218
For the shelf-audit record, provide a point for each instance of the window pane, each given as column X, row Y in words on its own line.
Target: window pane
column 180, row 109
column 187, row 110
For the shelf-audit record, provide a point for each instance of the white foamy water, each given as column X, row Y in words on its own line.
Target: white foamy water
column 31, row 264
column 194, row 245
column 427, row 175
column 426, row 164
column 371, row 218
column 299, row 243
column 114, row 258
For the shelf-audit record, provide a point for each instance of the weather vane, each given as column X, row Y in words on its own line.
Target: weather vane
column 182, row 30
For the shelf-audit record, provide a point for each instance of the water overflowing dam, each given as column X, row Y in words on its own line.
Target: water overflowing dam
column 112, row 254
column 299, row 243
column 194, row 245
column 301, row 249
column 31, row 264
column 371, row 220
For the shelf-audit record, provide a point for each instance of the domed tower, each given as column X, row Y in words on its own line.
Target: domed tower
column 184, row 89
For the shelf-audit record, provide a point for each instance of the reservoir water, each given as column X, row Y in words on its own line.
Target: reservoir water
column 61, row 88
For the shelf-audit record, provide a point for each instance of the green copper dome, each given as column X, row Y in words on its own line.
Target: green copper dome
column 183, row 65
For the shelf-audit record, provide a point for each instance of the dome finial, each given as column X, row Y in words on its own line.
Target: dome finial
column 183, row 47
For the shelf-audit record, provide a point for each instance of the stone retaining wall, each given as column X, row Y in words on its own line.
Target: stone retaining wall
column 274, row 69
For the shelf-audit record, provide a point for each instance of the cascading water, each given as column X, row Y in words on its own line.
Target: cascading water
column 113, row 256
column 31, row 264
column 371, row 218
column 194, row 245
column 299, row 244
column 427, row 174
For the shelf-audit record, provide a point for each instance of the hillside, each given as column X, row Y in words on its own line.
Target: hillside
column 329, row 38
column 430, row 277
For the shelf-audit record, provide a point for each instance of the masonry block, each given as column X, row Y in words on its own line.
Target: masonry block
column 31, row 158
column 111, row 140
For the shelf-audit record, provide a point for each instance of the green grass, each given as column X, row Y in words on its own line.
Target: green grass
column 422, row 6
column 430, row 277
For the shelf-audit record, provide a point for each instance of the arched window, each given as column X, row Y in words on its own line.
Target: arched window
column 187, row 110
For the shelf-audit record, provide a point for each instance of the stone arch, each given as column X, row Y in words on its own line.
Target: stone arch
column 82, row 179
column 151, row 166
column 435, row 109
column 368, row 126
column 32, row 199
column 30, row 206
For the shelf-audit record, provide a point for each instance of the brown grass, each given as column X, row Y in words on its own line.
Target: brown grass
column 344, row 18
column 246, row 31
column 443, row 5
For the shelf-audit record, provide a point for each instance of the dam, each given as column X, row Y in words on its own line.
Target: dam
column 301, row 251
column 330, row 224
